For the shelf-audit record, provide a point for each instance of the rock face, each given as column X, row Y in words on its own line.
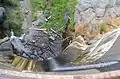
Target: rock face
column 93, row 20
column 94, row 17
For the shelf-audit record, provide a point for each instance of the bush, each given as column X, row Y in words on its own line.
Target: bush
column 56, row 10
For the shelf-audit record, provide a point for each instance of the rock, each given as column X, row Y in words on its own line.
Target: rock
column 112, row 3
column 99, row 12
column 80, row 40
column 73, row 51
column 94, row 40
column 38, row 44
column 117, row 10
column 94, row 26
column 85, row 5
column 117, row 2
column 102, row 3
column 6, row 51
column 52, row 38
column 113, row 53
column 92, row 12
column 87, row 15
column 111, row 12
column 101, row 48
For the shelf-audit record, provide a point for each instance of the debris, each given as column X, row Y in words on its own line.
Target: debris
column 37, row 45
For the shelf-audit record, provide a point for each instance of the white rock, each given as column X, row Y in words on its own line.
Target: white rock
column 99, row 12
column 102, row 3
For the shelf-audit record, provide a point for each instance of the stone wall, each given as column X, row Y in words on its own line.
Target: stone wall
column 95, row 17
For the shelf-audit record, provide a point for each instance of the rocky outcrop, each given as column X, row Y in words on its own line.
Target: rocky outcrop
column 97, row 21
column 95, row 17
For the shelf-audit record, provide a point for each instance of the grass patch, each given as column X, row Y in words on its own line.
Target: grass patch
column 56, row 10
column 102, row 28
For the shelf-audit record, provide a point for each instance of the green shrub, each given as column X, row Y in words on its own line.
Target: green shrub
column 56, row 10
